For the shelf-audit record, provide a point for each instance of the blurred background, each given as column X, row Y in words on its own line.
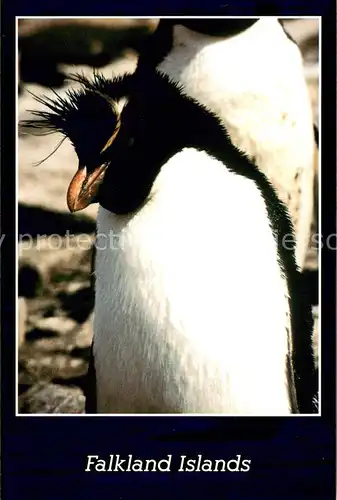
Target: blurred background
column 55, row 292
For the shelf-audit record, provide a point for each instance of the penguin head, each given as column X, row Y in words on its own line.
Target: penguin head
column 90, row 118
column 156, row 47
column 93, row 129
column 122, row 131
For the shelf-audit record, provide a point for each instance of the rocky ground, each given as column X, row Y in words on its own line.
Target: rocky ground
column 55, row 248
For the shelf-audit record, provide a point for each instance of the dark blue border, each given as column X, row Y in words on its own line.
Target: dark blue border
column 292, row 458
column 152, row 8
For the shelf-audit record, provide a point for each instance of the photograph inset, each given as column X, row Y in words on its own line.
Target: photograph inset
column 168, row 216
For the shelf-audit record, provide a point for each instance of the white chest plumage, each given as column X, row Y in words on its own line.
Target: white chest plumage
column 254, row 83
column 191, row 312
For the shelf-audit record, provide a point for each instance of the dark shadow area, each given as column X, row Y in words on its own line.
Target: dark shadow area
column 316, row 133
column 310, row 46
column 311, row 281
column 38, row 333
column 44, row 46
column 45, row 70
column 36, row 221
column 81, row 352
column 29, row 281
column 78, row 305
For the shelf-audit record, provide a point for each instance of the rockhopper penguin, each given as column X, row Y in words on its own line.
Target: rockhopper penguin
column 199, row 308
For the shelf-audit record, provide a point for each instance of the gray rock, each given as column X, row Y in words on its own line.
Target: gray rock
column 52, row 366
column 57, row 260
column 52, row 398
column 30, row 281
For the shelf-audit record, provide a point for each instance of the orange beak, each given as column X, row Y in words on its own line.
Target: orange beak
column 84, row 187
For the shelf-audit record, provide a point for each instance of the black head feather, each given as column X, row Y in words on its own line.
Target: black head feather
column 87, row 116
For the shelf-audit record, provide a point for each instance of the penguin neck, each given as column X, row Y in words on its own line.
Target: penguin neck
column 163, row 122
column 160, row 122
column 171, row 119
